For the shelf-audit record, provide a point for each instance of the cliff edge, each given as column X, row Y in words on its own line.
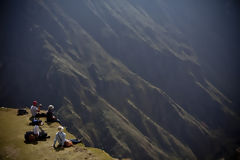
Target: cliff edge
column 13, row 146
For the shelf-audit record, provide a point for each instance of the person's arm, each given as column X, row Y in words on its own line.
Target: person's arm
column 31, row 109
column 55, row 140
column 40, row 129
column 35, row 110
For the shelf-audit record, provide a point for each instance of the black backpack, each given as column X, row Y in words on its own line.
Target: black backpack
column 22, row 112
column 29, row 136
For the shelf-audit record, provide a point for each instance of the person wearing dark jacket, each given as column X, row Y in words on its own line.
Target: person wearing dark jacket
column 50, row 115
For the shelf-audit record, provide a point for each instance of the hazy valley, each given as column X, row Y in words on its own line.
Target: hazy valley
column 139, row 79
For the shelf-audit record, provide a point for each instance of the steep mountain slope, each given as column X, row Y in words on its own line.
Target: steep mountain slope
column 13, row 145
column 158, row 53
column 121, row 73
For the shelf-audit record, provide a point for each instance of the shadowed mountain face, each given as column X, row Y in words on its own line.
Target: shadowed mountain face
column 144, row 80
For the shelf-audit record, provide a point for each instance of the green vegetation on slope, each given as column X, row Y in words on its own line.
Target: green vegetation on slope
column 120, row 74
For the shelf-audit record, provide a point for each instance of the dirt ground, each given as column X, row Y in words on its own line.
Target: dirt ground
column 13, row 146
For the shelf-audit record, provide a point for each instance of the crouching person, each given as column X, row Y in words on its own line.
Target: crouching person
column 39, row 133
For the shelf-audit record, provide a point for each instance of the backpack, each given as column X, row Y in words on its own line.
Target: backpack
column 22, row 112
column 68, row 143
column 29, row 136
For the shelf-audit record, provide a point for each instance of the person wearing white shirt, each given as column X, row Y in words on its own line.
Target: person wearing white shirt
column 34, row 110
column 36, row 130
column 39, row 133
column 60, row 137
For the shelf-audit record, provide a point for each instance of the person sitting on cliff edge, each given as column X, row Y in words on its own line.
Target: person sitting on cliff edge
column 34, row 109
column 50, row 115
column 39, row 133
column 62, row 141
column 60, row 137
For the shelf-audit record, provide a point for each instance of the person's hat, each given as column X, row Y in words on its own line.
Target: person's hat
column 51, row 107
column 34, row 103
column 60, row 128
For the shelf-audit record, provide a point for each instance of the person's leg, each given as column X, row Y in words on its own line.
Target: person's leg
column 58, row 120
column 43, row 115
column 40, row 115
column 75, row 141
column 43, row 135
column 31, row 118
column 37, row 115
